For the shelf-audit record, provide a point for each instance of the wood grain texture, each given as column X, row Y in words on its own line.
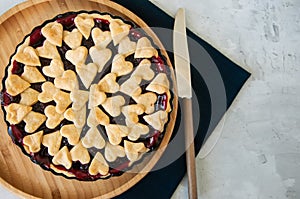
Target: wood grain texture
column 17, row 172
column 190, row 148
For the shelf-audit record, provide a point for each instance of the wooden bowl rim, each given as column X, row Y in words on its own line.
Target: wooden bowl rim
column 170, row 126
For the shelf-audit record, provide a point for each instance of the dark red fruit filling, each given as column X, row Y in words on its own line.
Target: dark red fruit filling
column 64, row 142
column 160, row 64
column 45, row 61
column 134, row 61
column 18, row 68
column 67, row 21
column 62, row 51
column 153, row 141
column 7, row 99
column 134, row 34
column 36, row 38
column 118, row 170
column 42, row 157
column 79, row 171
column 103, row 24
column 88, row 43
column 39, row 107
column 162, row 102
column 16, row 134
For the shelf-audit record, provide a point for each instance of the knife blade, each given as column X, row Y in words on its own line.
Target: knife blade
column 184, row 87
column 181, row 56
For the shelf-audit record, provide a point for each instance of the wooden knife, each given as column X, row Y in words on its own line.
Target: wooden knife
column 184, row 86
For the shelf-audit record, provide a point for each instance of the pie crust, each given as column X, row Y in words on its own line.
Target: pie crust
column 86, row 94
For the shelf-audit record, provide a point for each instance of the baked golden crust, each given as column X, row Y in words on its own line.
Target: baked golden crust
column 80, row 108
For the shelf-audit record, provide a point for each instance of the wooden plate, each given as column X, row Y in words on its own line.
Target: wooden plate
column 17, row 172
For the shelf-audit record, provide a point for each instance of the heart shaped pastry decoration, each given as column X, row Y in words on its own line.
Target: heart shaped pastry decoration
column 160, row 84
column 80, row 153
column 84, row 22
column 73, row 39
column 33, row 121
column 131, row 87
column 16, row 85
column 87, row 73
column 63, row 157
column 77, row 56
column 112, row 152
column 62, row 100
column 52, row 142
column 115, row 133
column 99, row 165
column 32, row 75
column 29, row 97
column 68, row 81
column 113, row 105
column 79, row 99
column 54, row 33
column 53, row 117
column 157, row 120
column 48, row 92
column 118, row 31
column 144, row 49
column 55, row 69
column 93, row 138
column 147, row 100
column 28, row 56
column 120, row 66
column 137, row 130
column 71, row 133
column 108, row 83
column 132, row 112
column 101, row 38
column 96, row 96
column 144, row 70
column 96, row 117
column 16, row 112
column 48, row 50
column 133, row 150
column 77, row 117
column 33, row 141
column 100, row 56
column 126, row 47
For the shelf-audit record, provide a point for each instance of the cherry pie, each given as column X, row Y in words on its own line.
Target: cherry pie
column 87, row 95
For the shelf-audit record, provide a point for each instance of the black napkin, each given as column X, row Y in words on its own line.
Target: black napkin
column 216, row 81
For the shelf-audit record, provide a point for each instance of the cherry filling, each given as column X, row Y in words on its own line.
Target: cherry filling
column 103, row 24
column 134, row 34
column 119, row 170
column 153, row 141
column 162, row 102
column 62, row 51
column 43, row 158
column 45, row 61
column 160, row 64
column 18, row 68
column 67, row 21
column 7, row 99
column 36, row 38
column 134, row 61
column 16, row 134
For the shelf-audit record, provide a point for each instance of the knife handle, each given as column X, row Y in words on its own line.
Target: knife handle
column 190, row 148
